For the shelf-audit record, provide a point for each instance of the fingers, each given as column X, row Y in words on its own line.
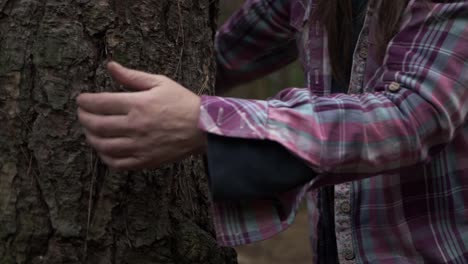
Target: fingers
column 106, row 103
column 118, row 153
column 133, row 79
column 119, row 103
column 105, row 126
column 122, row 164
column 112, row 147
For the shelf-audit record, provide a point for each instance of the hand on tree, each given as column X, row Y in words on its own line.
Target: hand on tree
column 155, row 125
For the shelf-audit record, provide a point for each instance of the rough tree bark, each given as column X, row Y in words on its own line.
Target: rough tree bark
column 58, row 203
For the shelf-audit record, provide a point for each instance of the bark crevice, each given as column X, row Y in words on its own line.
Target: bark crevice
column 65, row 207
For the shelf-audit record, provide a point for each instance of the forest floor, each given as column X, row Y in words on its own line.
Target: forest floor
column 289, row 247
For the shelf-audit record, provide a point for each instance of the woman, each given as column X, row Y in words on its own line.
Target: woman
column 376, row 142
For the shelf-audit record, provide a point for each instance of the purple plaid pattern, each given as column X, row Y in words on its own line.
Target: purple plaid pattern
column 402, row 141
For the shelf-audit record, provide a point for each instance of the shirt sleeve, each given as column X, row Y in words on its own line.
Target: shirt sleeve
column 255, row 41
column 420, row 103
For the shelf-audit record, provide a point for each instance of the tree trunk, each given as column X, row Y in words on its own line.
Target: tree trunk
column 58, row 202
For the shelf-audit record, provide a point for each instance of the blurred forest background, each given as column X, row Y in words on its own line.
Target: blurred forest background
column 292, row 246
column 291, row 76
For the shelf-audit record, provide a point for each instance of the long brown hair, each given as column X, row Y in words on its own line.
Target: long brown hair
column 340, row 34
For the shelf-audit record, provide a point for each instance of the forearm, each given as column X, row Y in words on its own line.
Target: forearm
column 414, row 110
column 343, row 137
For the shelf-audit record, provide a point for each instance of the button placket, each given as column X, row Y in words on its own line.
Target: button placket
column 343, row 231
column 343, row 208
column 343, row 205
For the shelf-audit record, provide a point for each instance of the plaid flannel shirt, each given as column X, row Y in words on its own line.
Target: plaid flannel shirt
column 395, row 146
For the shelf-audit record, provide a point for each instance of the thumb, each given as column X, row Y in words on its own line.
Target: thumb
column 137, row 80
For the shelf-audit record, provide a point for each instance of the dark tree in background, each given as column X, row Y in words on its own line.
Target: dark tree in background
column 58, row 202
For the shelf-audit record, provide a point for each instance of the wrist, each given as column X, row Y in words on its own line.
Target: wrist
column 202, row 144
column 201, row 137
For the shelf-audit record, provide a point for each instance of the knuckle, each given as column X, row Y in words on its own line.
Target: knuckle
column 114, row 164
column 108, row 161
column 100, row 145
column 106, row 148
column 146, row 126
column 134, row 124
column 133, row 76
column 101, row 99
column 139, row 107
column 91, row 139
column 94, row 125
column 162, row 78
column 142, row 126
column 118, row 166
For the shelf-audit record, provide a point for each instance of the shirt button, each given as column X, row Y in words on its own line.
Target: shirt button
column 363, row 52
column 394, row 87
column 345, row 207
column 348, row 254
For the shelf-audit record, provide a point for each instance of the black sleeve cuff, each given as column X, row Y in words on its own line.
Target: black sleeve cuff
column 242, row 169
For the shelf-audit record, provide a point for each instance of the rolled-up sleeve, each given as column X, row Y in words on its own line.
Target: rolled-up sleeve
column 421, row 101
